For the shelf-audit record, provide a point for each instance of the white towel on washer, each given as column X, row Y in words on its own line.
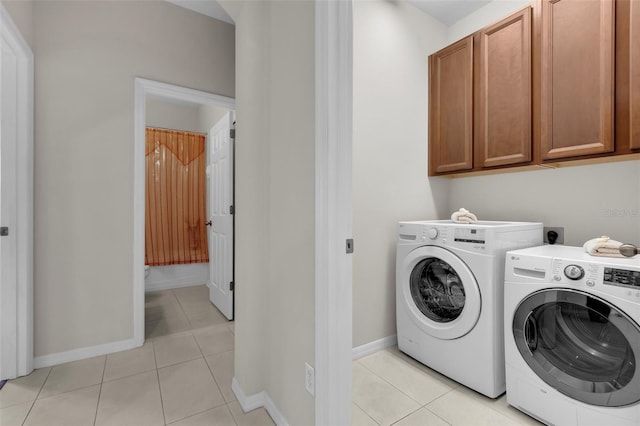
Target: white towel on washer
column 463, row 216
column 603, row 246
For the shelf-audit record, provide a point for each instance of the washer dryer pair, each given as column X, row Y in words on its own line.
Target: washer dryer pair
column 449, row 296
column 572, row 336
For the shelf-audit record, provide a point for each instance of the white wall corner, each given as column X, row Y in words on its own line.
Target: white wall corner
column 375, row 346
column 257, row 400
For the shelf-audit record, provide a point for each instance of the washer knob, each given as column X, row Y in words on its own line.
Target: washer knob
column 433, row 233
column 574, row 272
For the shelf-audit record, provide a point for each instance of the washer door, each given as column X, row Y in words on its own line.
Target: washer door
column 581, row 345
column 441, row 292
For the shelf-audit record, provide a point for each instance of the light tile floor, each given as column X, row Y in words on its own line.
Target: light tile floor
column 181, row 376
column 390, row 387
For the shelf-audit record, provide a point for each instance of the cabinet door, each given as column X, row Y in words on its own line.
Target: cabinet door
column 627, row 75
column 634, row 88
column 451, row 108
column 503, row 103
column 577, row 78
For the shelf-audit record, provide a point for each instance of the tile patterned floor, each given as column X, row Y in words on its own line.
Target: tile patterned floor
column 182, row 376
column 390, row 387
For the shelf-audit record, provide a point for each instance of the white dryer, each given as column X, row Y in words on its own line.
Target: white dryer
column 449, row 296
column 572, row 336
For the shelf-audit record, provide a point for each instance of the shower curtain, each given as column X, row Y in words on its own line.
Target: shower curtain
column 175, row 230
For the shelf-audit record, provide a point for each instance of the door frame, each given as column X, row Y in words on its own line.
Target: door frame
column 156, row 90
column 22, row 317
column 333, row 222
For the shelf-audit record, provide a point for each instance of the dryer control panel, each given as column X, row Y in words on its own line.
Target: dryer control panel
column 622, row 277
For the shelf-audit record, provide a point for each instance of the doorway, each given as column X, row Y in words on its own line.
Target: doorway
column 16, row 203
column 152, row 90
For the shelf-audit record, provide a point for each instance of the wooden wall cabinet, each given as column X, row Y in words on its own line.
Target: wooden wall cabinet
column 627, row 76
column 556, row 87
column 480, row 99
column 576, row 78
column 451, row 108
column 503, row 92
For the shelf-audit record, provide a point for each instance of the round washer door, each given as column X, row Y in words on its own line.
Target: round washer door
column 581, row 345
column 440, row 292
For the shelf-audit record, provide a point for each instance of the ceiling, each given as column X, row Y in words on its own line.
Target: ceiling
column 207, row 7
column 445, row 11
column 449, row 11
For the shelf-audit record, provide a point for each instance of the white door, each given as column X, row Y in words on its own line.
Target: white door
column 220, row 167
column 16, row 202
column 8, row 194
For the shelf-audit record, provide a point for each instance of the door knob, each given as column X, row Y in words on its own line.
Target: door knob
column 208, row 223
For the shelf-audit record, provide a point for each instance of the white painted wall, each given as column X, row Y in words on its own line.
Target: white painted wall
column 175, row 116
column 275, row 165
column 392, row 41
column 588, row 201
column 483, row 17
column 208, row 115
column 21, row 12
column 87, row 56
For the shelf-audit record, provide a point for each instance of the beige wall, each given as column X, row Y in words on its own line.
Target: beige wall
column 391, row 43
column 177, row 116
column 87, row 55
column 208, row 115
column 21, row 12
column 169, row 115
column 588, row 201
column 275, row 203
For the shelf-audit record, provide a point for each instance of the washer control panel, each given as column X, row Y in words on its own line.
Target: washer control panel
column 623, row 282
column 574, row 272
column 563, row 270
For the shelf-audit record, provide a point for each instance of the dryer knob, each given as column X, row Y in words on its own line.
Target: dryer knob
column 433, row 233
column 574, row 272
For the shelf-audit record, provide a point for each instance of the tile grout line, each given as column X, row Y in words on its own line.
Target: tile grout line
column 104, row 370
column 395, row 387
column 155, row 360
column 213, row 376
column 37, row 395
column 362, row 409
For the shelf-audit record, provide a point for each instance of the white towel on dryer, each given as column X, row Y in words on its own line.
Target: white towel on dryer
column 463, row 216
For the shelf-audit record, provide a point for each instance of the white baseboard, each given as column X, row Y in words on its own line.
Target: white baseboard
column 176, row 276
column 260, row 399
column 84, row 353
column 375, row 346
column 167, row 285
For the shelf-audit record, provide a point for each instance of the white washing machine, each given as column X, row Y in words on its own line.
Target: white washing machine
column 449, row 296
column 572, row 336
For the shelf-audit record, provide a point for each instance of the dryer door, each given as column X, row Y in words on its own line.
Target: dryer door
column 581, row 345
column 440, row 292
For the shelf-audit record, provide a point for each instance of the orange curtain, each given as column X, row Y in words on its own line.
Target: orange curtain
column 175, row 230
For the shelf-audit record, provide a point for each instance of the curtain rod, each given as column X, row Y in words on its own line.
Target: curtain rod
column 176, row 130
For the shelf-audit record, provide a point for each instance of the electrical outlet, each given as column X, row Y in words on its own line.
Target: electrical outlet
column 557, row 229
column 309, row 379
